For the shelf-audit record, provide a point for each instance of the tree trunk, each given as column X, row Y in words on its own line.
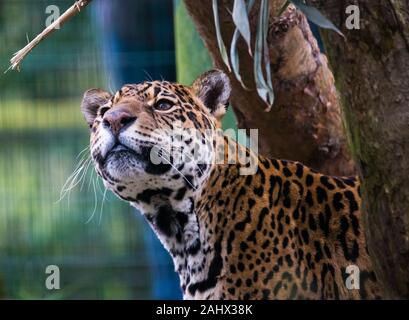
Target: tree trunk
column 305, row 122
column 372, row 73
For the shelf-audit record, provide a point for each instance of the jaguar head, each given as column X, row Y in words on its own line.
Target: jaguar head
column 156, row 135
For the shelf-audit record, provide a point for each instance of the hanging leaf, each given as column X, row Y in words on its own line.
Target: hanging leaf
column 316, row 17
column 267, row 53
column 234, row 57
column 241, row 20
column 264, row 88
column 222, row 47
column 234, row 54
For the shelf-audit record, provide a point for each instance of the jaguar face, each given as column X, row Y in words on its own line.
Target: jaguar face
column 155, row 134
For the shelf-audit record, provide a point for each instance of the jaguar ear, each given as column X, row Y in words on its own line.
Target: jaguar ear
column 213, row 89
column 92, row 101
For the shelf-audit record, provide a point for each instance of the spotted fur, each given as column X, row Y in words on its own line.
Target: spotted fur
column 285, row 232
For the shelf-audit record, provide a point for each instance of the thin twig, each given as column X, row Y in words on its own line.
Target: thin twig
column 71, row 12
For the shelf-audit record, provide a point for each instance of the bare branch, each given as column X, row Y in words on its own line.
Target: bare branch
column 71, row 12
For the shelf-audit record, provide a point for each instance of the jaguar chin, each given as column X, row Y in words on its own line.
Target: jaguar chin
column 283, row 232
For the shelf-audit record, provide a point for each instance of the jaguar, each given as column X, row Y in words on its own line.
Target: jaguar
column 238, row 225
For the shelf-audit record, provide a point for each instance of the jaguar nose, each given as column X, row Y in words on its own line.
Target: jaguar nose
column 116, row 120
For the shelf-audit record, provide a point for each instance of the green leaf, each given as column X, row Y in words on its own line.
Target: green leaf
column 222, row 47
column 241, row 20
column 234, row 55
column 264, row 87
column 316, row 17
column 267, row 53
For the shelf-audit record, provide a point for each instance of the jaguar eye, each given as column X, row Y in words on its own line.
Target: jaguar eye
column 103, row 110
column 163, row 105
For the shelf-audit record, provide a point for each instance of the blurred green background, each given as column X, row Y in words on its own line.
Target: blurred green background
column 41, row 135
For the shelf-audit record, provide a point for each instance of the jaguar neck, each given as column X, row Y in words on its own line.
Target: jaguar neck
column 174, row 220
column 189, row 231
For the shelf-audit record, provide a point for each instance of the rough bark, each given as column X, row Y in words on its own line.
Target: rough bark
column 372, row 73
column 305, row 122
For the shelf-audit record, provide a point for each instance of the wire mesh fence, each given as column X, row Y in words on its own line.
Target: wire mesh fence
column 41, row 135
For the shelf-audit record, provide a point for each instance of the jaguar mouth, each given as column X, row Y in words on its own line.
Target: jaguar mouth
column 121, row 153
column 123, row 158
column 119, row 149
